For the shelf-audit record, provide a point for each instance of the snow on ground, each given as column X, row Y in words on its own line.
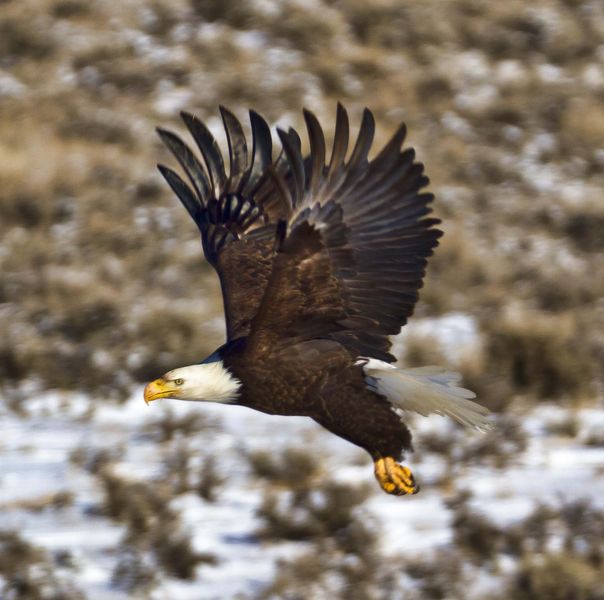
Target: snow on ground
column 35, row 463
column 455, row 333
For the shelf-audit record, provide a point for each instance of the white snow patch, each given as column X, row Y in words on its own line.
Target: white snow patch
column 10, row 86
column 457, row 334
column 172, row 101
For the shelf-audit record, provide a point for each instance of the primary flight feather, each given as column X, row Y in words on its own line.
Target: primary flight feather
column 320, row 260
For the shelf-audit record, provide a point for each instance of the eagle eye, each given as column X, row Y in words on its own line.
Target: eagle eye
column 179, row 381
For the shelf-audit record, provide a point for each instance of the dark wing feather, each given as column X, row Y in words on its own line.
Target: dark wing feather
column 188, row 161
column 304, row 250
column 358, row 159
column 237, row 149
column 237, row 216
column 262, row 151
column 317, row 152
column 366, row 222
column 336, row 170
column 291, row 147
column 190, row 201
column 210, row 151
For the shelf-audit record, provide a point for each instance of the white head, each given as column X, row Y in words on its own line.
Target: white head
column 206, row 382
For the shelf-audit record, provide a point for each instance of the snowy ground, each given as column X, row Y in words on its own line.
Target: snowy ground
column 35, row 464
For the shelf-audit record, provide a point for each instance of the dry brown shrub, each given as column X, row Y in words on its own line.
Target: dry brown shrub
column 210, row 479
column 540, row 354
column 239, row 14
column 133, row 573
column 69, row 9
column 28, row 573
column 151, row 525
column 438, row 576
column 325, row 510
column 18, row 40
column 566, row 426
column 421, row 350
column 293, row 467
column 555, row 577
column 458, row 274
column 475, row 534
column 583, row 126
column 169, row 426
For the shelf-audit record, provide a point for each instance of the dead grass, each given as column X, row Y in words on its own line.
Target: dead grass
column 329, row 515
column 28, row 573
column 21, row 42
column 305, row 508
column 542, row 355
column 555, row 577
column 293, row 467
column 70, row 9
column 169, row 426
column 151, row 527
column 210, row 480
column 438, row 576
column 92, row 205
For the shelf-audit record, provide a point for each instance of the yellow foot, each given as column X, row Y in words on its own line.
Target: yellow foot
column 394, row 478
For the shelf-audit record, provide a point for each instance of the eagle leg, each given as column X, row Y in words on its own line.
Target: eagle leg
column 394, row 478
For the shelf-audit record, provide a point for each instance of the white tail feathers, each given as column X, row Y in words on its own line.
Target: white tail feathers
column 426, row 390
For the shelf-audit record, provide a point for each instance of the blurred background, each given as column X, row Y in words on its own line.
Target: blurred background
column 103, row 287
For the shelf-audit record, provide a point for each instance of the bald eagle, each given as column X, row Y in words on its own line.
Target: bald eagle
column 319, row 263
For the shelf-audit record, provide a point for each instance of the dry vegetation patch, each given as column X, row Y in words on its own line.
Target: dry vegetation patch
column 29, row 573
column 152, row 528
column 489, row 93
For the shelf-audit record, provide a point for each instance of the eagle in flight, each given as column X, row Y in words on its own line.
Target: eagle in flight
column 319, row 263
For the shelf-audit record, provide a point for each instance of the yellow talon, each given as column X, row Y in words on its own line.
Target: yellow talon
column 394, row 478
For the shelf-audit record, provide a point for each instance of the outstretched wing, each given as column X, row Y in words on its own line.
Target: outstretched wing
column 306, row 249
column 239, row 215
column 354, row 256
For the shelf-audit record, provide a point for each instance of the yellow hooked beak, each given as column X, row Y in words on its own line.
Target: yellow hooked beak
column 160, row 388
